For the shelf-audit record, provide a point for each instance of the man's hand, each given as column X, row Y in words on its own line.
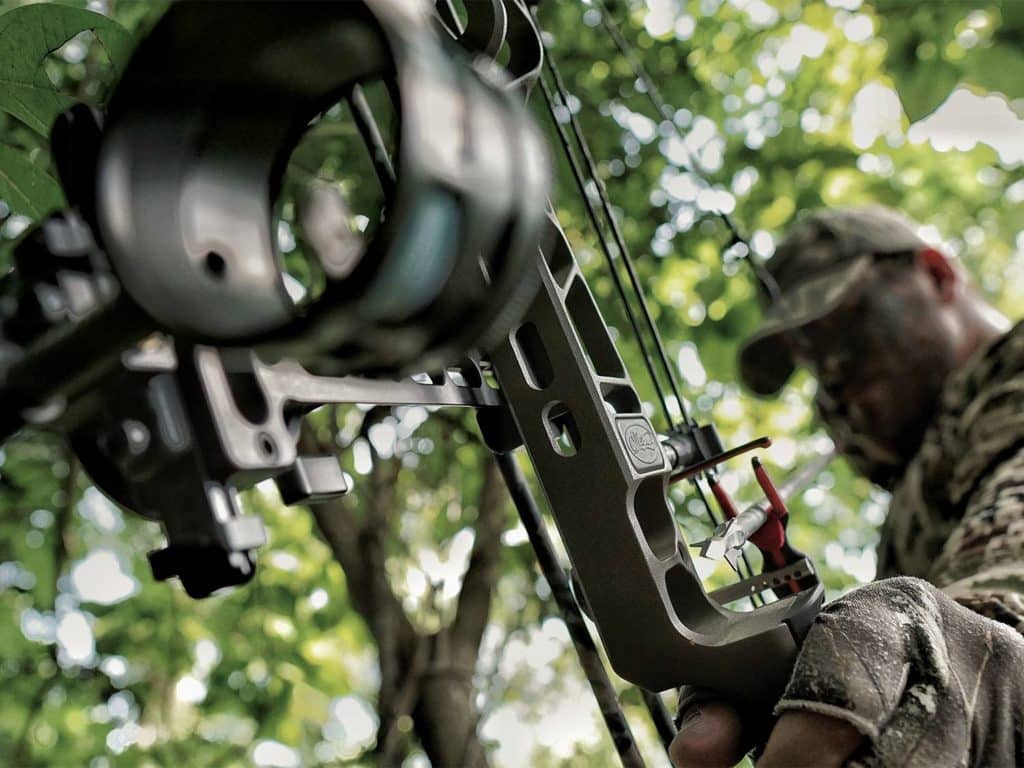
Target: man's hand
column 711, row 736
column 893, row 674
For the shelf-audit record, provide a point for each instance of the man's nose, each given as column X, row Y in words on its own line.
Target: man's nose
column 830, row 391
column 835, row 363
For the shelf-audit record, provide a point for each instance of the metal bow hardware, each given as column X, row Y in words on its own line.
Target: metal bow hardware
column 151, row 322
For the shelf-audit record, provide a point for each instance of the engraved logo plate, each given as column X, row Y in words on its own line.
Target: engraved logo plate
column 640, row 443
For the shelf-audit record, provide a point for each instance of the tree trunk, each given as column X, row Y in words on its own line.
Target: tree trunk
column 428, row 677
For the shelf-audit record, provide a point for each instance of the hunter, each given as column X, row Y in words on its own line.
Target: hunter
column 921, row 386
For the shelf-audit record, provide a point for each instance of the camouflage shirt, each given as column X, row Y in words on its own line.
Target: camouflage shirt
column 957, row 513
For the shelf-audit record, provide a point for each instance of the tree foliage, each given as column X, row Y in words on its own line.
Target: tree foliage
column 409, row 619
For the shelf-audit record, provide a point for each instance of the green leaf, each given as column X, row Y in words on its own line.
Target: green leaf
column 30, row 33
column 27, row 188
column 998, row 68
column 923, row 88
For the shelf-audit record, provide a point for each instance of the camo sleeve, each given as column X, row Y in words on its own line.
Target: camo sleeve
column 982, row 561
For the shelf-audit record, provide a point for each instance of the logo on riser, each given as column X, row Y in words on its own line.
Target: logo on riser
column 640, row 442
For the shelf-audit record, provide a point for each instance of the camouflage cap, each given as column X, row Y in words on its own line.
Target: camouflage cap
column 816, row 265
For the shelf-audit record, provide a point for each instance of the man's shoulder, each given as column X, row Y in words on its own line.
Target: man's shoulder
column 999, row 363
column 982, row 414
column 980, row 421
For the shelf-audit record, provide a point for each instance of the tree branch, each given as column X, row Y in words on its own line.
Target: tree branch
column 357, row 536
column 60, row 556
column 482, row 572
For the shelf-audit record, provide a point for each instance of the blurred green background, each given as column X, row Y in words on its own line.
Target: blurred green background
column 357, row 625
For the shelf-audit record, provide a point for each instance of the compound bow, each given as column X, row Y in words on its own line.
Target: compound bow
column 151, row 324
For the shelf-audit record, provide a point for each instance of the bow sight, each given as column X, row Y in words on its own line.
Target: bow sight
column 112, row 308
column 152, row 322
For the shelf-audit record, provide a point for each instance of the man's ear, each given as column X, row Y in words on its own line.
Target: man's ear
column 940, row 271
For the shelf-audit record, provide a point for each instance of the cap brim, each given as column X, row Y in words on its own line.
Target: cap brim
column 765, row 360
column 765, row 363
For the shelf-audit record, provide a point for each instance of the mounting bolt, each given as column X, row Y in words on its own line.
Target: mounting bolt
column 127, row 441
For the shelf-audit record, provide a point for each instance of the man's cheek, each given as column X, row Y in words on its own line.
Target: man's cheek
column 873, row 407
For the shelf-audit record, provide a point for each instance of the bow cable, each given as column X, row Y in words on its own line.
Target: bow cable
column 605, row 246
column 624, row 255
column 765, row 280
column 623, row 250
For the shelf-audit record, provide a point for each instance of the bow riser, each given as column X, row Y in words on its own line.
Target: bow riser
column 605, row 476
